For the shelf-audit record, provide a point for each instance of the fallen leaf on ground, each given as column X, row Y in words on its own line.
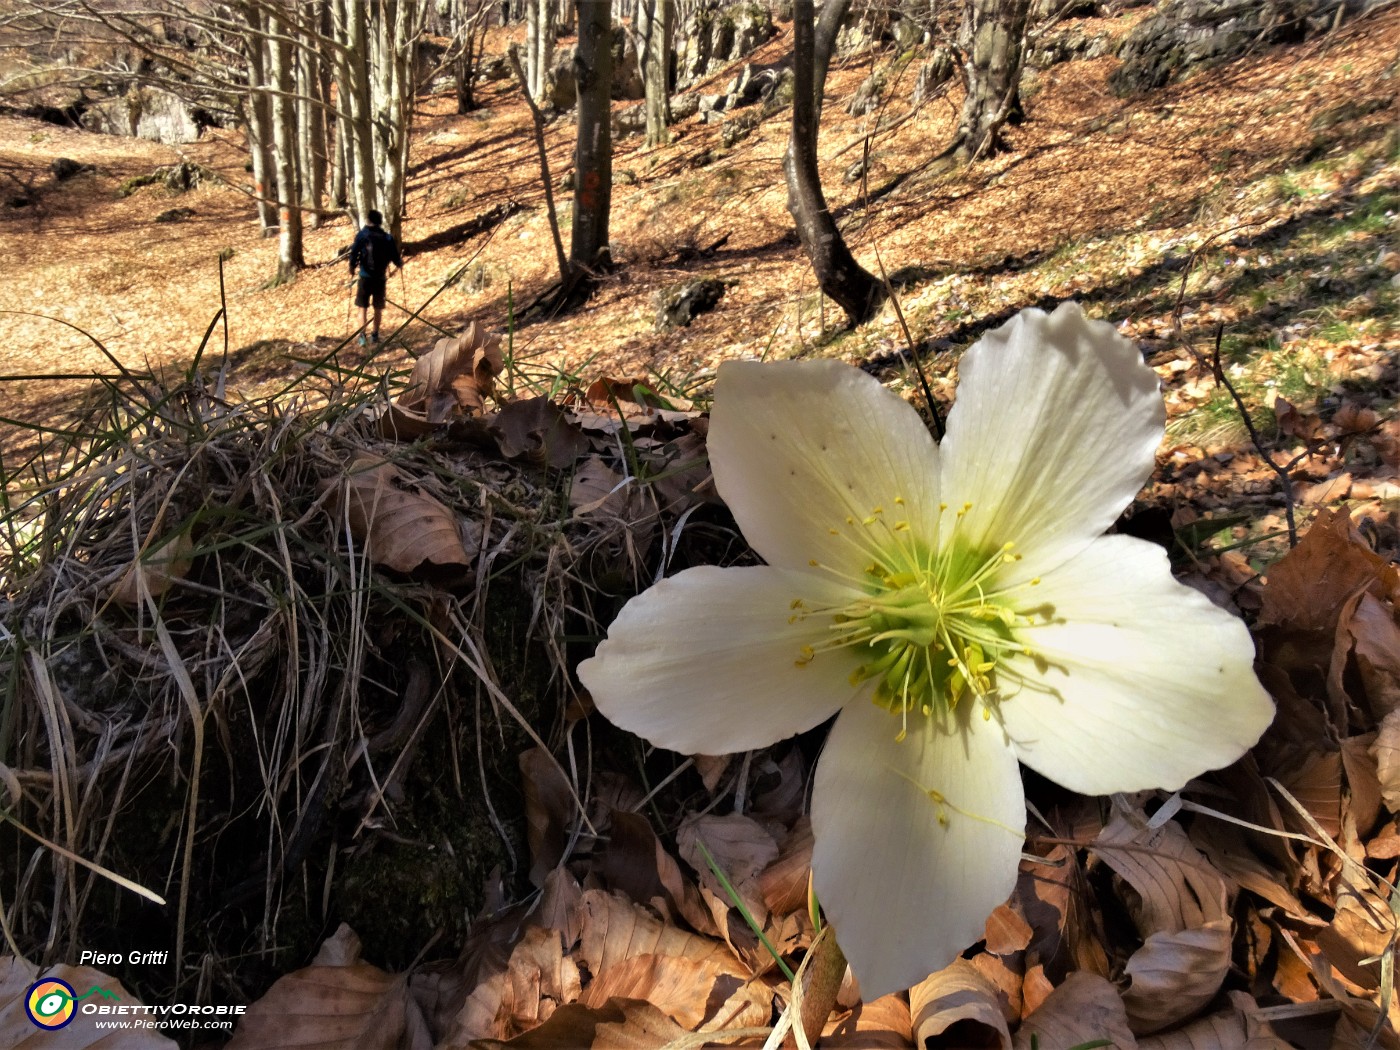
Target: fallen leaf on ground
column 1084, row 1008
column 339, row 1002
column 402, row 529
column 958, row 995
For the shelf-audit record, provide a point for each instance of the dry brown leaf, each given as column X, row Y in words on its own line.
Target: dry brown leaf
column 1314, row 778
column 884, row 1024
column 1007, row 931
column 479, row 1015
column 784, row 882
column 598, row 489
column 457, row 373
column 681, row 988
column 711, row 768
column 1329, row 490
column 538, row 431
column 549, row 811
column 740, row 846
column 1376, row 646
column 615, row 929
column 559, row 906
column 1050, row 897
column 339, row 1001
column 638, row 390
column 18, row 1032
column 1362, row 930
column 636, row 863
column 1084, row 1008
column 1176, row 887
column 1228, row 1030
column 161, row 566
column 620, row 1024
column 1308, row 586
column 402, row 529
column 1363, row 802
column 539, row 980
column 1176, row 974
column 959, row 995
column 1386, row 750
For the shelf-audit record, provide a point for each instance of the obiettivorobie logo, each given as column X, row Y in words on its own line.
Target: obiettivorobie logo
column 52, row 1003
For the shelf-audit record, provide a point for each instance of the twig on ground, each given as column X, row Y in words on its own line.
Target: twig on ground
column 1285, row 482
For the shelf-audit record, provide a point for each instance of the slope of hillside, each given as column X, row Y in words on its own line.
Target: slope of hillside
column 1100, row 199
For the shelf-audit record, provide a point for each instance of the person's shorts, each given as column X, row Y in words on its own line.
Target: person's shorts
column 371, row 286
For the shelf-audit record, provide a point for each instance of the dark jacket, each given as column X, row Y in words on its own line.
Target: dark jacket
column 374, row 249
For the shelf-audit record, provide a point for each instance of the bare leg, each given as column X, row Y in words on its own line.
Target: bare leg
column 378, row 313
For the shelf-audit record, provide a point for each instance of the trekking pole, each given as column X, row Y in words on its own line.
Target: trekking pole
column 349, row 305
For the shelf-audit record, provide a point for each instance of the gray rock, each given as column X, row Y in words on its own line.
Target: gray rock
column 146, row 113
column 680, row 304
column 711, row 37
column 1188, row 34
column 176, row 215
column 65, row 168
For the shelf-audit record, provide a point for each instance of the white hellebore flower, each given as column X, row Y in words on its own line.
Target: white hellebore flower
column 960, row 607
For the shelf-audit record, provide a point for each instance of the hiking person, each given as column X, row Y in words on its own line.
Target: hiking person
column 370, row 256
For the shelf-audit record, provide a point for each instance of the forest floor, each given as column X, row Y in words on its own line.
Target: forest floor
column 1252, row 210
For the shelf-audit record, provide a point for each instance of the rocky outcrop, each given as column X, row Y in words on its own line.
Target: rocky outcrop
column 714, row 36
column 561, row 85
column 146, row 113
column 1188, row 34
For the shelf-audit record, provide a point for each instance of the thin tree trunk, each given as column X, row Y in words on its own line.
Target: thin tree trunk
column 588, row 247
column 838, row 274
column 364, row 186
column 290, row 256
column 259, row 114
column 311, row 160
column 994, row 32
column 657, row 19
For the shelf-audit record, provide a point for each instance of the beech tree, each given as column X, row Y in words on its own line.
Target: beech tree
column 589, row 253
column 993, row 36
column 849, row 284
column 655, row 29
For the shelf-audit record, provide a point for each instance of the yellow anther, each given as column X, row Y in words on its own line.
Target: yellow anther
column 899, row 737
column 1007, row 545
column 814, row 563
column 901, row 526
column 899, row 501
column 832, row 532
column 986, row 713
column 1035, row 581
column 850, row 520
column 796, row 603
column 869, row 521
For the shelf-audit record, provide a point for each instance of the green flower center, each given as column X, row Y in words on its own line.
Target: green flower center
column 931, row 625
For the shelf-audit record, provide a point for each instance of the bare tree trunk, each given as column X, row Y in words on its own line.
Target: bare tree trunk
column 853, row 288
column 994, row 32
column 259, row 118
column 657, row 25
column 588, row 247
column 539, row 45
column 354, row 99
column 290, row 257
column 311, row 145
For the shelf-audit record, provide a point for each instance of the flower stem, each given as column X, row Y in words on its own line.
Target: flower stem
column 825, row 972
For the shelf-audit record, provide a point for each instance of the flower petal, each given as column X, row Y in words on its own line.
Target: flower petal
column 799, row 447
column 905, row 892
column 1053, row 433
column 1149, row 684
column 706, row 662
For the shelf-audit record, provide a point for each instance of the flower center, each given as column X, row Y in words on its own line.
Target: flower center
column 931, row 624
